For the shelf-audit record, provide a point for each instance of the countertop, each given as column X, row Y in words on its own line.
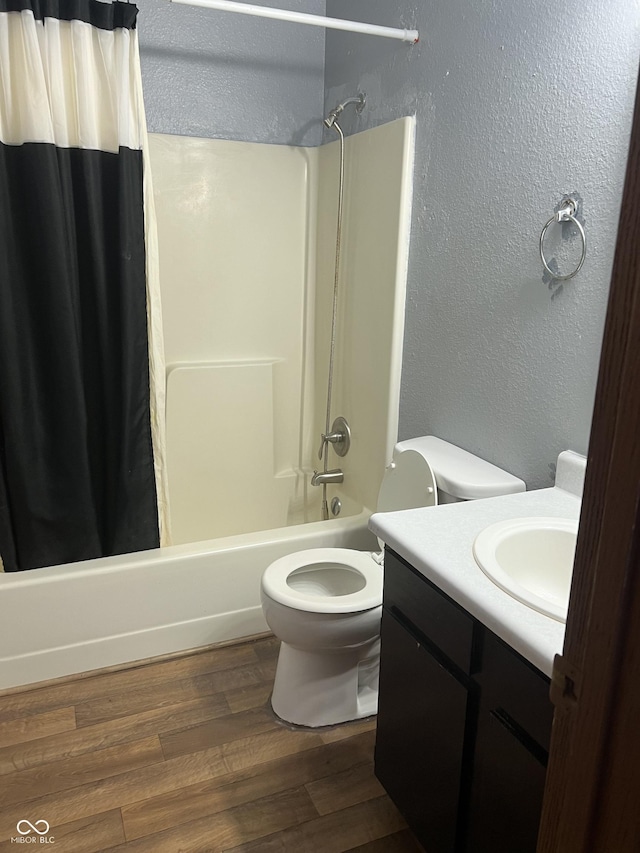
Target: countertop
column 438, row 540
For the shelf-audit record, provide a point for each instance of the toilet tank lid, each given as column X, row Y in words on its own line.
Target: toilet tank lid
column 460, row 473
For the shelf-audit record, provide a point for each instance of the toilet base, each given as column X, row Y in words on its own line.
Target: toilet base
column 323, row 688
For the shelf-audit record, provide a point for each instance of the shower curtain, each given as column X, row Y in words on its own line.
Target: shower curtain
column 81, row 366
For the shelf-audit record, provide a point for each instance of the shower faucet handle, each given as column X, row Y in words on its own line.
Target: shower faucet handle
column 332, row 438
column 340, row 437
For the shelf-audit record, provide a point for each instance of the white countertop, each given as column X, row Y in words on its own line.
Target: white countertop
column 438, row 541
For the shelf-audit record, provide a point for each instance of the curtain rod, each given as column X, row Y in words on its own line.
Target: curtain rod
column 304, row 18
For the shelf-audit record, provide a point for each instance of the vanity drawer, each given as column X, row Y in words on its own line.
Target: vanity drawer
column 414, row 599
column 517, row 688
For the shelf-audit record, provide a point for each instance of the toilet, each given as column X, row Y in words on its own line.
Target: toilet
column 325, row 604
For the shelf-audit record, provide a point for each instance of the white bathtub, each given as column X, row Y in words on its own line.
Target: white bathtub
column 81, row 616
column 78, row 617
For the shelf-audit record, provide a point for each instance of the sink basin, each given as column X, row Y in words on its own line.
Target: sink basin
column 532, row 560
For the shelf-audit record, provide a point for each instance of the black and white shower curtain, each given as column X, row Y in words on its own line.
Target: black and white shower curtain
column 81, row 368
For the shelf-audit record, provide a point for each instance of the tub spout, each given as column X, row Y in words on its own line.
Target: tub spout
column 325, row 478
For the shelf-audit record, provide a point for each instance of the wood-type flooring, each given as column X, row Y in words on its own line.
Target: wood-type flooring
column 185, row 756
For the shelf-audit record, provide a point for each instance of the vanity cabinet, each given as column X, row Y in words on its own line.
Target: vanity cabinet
column 464, row 723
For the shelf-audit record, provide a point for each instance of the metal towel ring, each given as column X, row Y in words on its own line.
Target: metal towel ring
column 565, row 214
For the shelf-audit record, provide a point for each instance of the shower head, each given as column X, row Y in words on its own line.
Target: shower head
column 359, row 101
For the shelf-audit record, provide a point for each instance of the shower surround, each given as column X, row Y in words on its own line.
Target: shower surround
column 247, row 242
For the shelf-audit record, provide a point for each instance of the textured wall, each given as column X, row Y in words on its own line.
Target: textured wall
column 226, row 76
column 517, row 103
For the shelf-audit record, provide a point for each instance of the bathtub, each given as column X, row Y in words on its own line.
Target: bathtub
column 77, row 617
column 256, row 367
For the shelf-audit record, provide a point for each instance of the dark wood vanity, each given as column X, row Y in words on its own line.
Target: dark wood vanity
column 464, row 723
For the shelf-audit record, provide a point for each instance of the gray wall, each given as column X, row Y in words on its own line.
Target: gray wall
column 517, row 103
column 220, row 75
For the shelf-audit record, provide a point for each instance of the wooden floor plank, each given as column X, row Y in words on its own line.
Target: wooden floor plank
column 90, row 835
column 37, row 726
column 267, row 653
column 347, row 730
column 229, row 828
column 30, row 784
column 119, row 731
column 255, row 750
column 399, row 842
column 77, row 691
column 196, row 801
column 254, row 696
column 268, row 668
column 105, row 708
column 334, row 833
column 267, row 649
column 218, row 731
column 230, row 679
column 347, row 788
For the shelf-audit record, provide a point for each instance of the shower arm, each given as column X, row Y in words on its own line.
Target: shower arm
column 359, row 101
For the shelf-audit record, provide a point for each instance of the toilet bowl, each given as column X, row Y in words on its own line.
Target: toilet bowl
column 325, row 604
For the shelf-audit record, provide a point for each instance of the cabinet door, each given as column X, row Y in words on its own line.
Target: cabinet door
column 420, row 736
column 514, row 731
column 508, row 785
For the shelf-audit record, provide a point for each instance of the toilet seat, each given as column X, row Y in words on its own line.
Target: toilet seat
column 357, row 563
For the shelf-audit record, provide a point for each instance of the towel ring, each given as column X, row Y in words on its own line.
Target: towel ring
column 565, row 214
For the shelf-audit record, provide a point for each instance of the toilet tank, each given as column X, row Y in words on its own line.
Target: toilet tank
column 459, row 475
